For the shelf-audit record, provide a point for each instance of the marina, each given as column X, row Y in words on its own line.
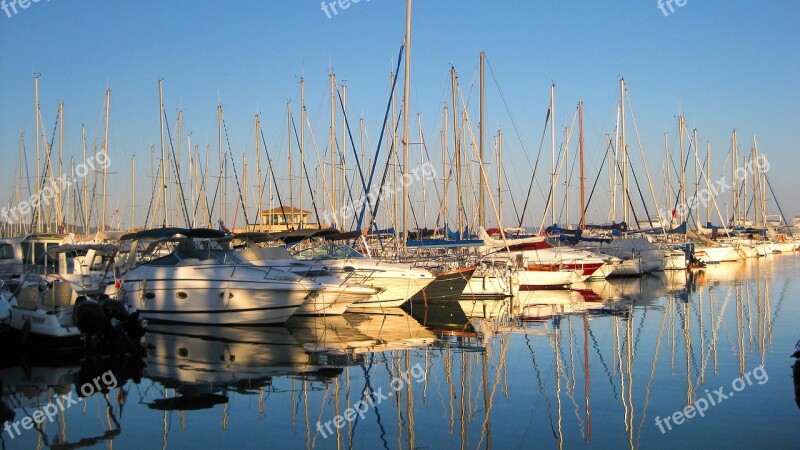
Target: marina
column 403, row 225
column 564, row 372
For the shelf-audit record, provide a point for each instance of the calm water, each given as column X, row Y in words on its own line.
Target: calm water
column 572, row 374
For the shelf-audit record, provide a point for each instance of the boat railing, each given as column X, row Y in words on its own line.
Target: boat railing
column 282, row 275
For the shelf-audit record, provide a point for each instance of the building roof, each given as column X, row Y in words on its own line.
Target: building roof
column 285, row 210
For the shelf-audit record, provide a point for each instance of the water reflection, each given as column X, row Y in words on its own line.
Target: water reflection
column 592, row 366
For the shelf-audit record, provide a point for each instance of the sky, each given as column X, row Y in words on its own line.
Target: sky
column 723, row 65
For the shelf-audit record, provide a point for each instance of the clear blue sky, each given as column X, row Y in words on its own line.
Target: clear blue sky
column 724, row 64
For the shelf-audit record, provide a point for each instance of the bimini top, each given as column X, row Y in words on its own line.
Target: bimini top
column 103, row 248
column 168, row 232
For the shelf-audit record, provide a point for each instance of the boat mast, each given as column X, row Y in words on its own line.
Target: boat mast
column 163, row 154
column 756, row 188
column 259, row 188
column 734, row 166
column 708, row 183
column 179, row 133
column 682, row 187
column 302, row 147
column 668, row 181
column 332, row 145
column 289, row 150
column 499, row 143
column 343, row 146
column 445, row 156
column 456, row 149
column 552, row 154
column 481, row 129
column 406, row 108
column 624, row 155
column 38, row 153
column 221, row 166
column 60, row 199
column 133, row 191
column 583, row 179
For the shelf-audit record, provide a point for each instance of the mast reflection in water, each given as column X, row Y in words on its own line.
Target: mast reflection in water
column 592, row 367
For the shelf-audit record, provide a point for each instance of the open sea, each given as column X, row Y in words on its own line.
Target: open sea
column 671, row 360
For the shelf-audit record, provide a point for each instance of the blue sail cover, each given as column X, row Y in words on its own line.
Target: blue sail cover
column 680, row 229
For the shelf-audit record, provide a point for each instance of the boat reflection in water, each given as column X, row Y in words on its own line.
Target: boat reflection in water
column 100, row 384
column 360, row 332
column 567, row 369
column 202, row 364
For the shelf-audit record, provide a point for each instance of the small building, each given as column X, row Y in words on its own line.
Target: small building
column 283, row 219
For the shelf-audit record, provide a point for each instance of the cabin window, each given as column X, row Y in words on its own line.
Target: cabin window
column 6, row 251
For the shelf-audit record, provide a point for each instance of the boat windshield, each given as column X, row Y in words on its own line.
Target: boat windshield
column 187, row 253
column 332, row 251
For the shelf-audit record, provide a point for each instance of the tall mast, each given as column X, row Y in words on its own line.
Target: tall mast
column 756, row 203
column 343, row 146
column 583, row 179
column 734, row 167
column 259, row 188
column 444, row 161
column 163, row 154
column 84, row 190
column 60, row 202
column 406, row 109
column 456, row 149
column 682, row 187
column 222, row 160
column 302, row 144
column 552, row 153
column 708, row 183
column 38, row 153
column 695, row 141
column 499, row 179
column 289, row 151
column 179, row 132
column 133, row 192
column 668, row 185
column 105, row 154
column 481, row 129
column 332, row 144
column 624, row 153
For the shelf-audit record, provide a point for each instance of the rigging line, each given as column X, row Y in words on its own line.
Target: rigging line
column 599, row 171
column 152, row 197
column 681, row 188
column 383, row 129
column 535, row 166
column 352, row 144
column 201, row 188
column 27, row 173
column 641, row 196
column 35, row 212
column 235, row 175
column 274, row 180
column 178, row 173
column 308, row 180
column 776, row 201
